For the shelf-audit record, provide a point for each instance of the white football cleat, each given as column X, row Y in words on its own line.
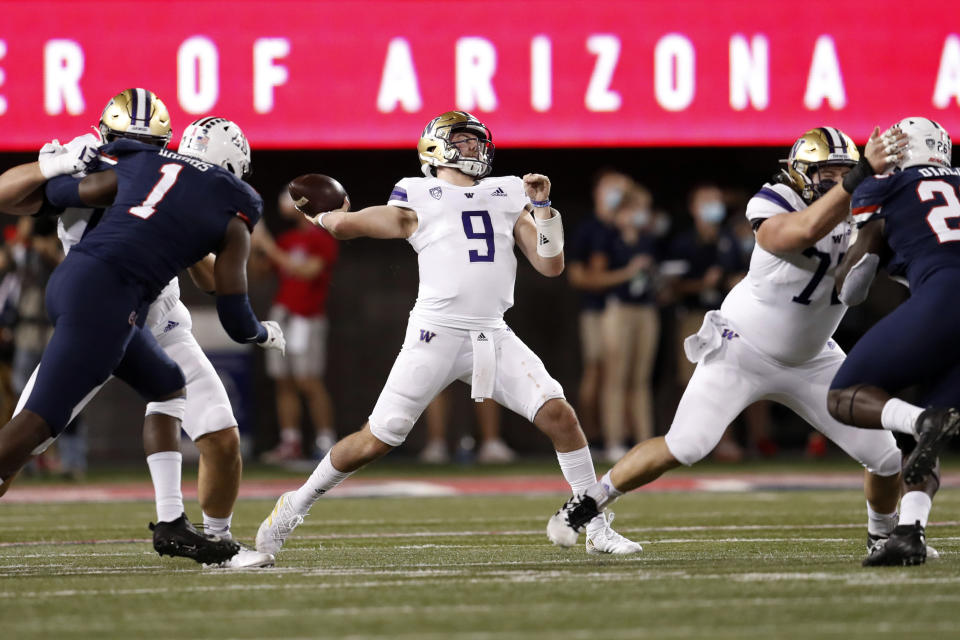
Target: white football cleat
column 278, row 525
column 601, row 538
column 246, row 558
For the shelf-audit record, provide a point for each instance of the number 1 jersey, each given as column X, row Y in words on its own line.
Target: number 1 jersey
column 169, row 212
column 786, row 305
column 464, row 241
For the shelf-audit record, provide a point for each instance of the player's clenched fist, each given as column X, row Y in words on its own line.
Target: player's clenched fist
column 537, row 187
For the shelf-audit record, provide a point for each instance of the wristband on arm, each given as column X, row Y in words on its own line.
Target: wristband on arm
column 860, row 172
column 549, row 235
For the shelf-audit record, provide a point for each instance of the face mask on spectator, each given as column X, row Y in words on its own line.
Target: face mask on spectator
column 713, row 212
column 640, row 218
column 612, row 198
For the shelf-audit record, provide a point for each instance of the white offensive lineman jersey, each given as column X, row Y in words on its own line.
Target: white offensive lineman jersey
column 464, row 241
column 786, row 305
column 71, row 226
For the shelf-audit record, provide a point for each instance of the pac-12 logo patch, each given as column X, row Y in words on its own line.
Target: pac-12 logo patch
column 436, row 192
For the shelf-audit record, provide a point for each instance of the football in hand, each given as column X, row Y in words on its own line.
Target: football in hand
column 315, row 193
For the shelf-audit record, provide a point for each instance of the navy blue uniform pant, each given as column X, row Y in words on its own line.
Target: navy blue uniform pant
column 94, row 310
column 917, row 344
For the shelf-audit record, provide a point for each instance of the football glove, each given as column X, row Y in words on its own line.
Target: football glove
column 57, row 159
column 275, row 339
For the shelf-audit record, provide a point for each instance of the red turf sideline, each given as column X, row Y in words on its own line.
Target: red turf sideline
column 455, row 485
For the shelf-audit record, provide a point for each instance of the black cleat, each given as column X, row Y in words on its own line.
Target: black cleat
column 564, row 526
column 180, row 538
column 906, row 546
column 935, row 427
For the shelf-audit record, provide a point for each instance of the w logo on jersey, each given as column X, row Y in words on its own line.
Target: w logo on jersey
column 426, row 336
column 837, row 239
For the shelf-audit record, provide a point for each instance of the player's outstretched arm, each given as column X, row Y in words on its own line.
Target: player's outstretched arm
column 382, row 221
column 21, row 192
column 540, row 238
column 797, row 230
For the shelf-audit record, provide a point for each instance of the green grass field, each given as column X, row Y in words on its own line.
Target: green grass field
column 767, row 564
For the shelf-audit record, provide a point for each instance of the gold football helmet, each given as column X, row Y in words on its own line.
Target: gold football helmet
column 436, row 150
column 138, row 114
column 820, row 147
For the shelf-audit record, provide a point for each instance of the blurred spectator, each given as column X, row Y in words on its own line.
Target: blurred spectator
column 705, row 262
column 586, row 271
column 492, row 449
column 302, row 258
column 631, row 326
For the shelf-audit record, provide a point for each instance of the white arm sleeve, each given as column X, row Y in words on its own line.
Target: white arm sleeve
column 856, row 285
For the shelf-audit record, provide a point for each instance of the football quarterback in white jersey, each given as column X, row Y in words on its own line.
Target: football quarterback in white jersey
column 771, row 338
column 208, row 420
column 464, row 226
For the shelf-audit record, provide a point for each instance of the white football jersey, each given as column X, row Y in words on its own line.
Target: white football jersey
column 464, row 241
column 70, row 229
column 786, row 305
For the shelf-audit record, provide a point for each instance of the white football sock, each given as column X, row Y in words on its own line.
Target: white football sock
column 880, row 524
column 915, row 505
column 577, row 468
column 217, row 526
column 901, row 416
column 165, row 473
column 324, row 478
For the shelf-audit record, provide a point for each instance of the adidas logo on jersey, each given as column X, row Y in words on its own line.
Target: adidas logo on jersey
column 171, row 325
column 499, row 192
column 481, row 338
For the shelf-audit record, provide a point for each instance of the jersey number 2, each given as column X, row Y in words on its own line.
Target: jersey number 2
column 938, row 216
column 485, row 234
column 169, row 174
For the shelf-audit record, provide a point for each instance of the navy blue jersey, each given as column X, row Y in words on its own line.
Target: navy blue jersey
column 921, row 210
column 639, row 289
column 590, row 236
column 170, row 211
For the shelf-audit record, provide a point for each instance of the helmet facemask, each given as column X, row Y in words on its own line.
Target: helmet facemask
column 436, row 148
column 817, row 148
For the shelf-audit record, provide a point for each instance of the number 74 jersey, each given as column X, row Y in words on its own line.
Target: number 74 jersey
column 786, row 305
column 464, row 243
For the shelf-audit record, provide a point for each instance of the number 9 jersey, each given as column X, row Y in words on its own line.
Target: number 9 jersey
column 786, row 306
column 464, row 243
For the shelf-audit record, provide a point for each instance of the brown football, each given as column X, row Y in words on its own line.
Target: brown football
column 315, row 193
